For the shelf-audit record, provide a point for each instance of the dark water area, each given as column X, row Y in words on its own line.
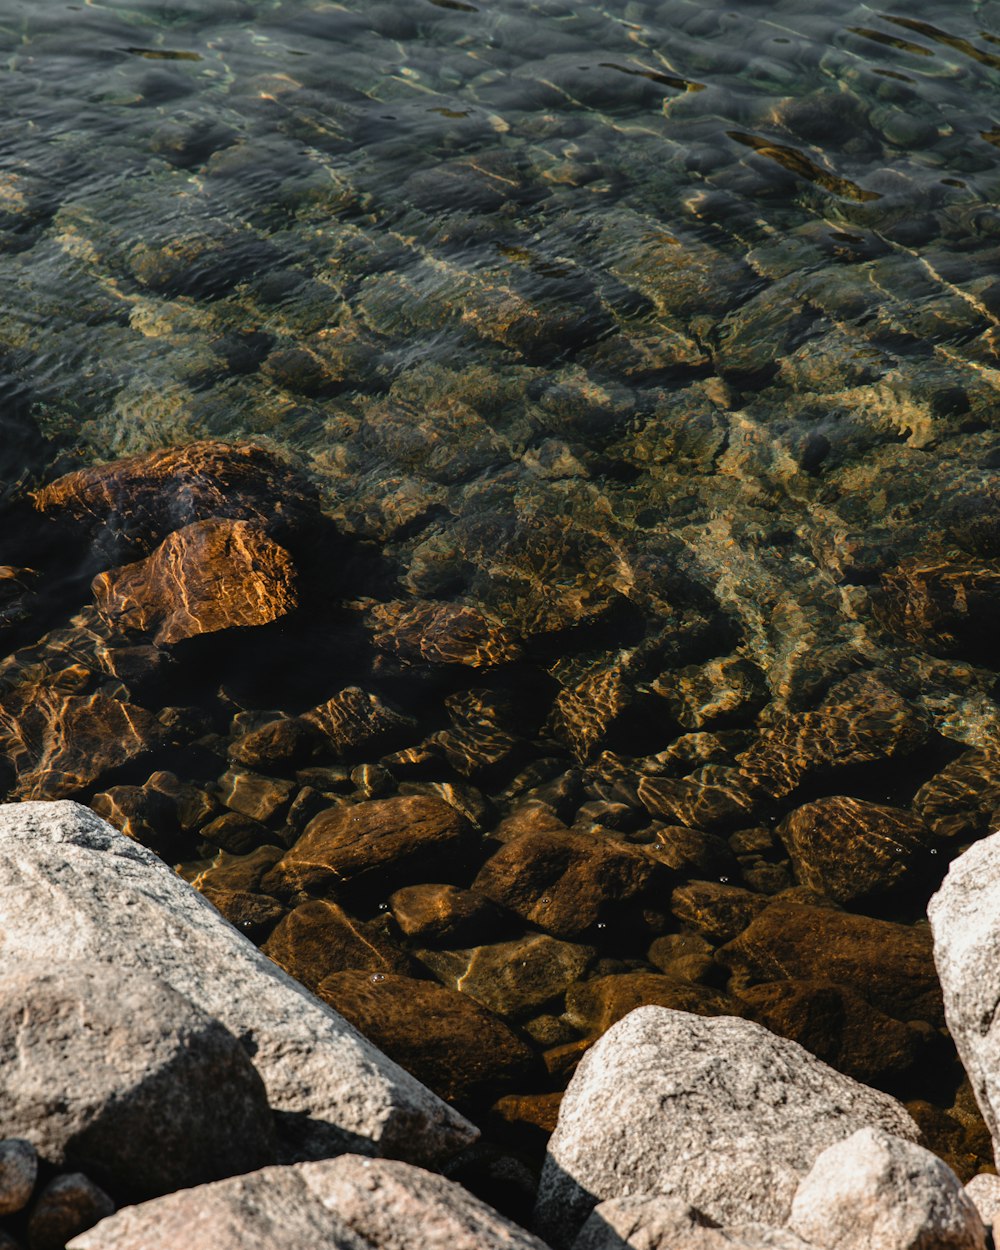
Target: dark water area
column 572, row 575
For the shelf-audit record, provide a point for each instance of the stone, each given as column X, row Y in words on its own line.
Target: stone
column 516, row 978
column 984, row 1190
column 280, row 744
column 392, row 840
column 142, row 814
column 853, row 850
column 133, row 504
column 446, row 1039
column 126, row 1078
column 714, row 798
column 718, row 911
column 353, row 720
column 319, row 938
column 235, row 833
column 965, row 921
column 706, row 694
column 692, row 852
column 209, row 576
column 594, row 1006
column 652, row 1222
column 431, row 632
column 568, row 883
column 68, row 1205
column 719, row 1113
column 253, row 914
column 18, row 1173
column 78, row 889
column 445, row 915
column 348, row 1203
column 261, row 798
column 876, row 1190
column 943, row 605
column 889, row 965
column 193, row 805
column 960, row 801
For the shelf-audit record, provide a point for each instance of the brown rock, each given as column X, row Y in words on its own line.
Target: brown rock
column 514, row 979
column 391, row 840
column 280, row 744
column 840, row 1028
column 261, row 798
column 60, row 743
column 142, row 814
column 68, row 1205
column 236, row 833
column 943, row 605
column 525, row 1120
column 319, row 938
column 253, row 914
column 433, row 632
column 238, row 872
column 853, row 850
column 713, row 797
column 889, row 965
column 692, row 852
column 959, row 801
column 193, row 806
column 353, row 720
column 568, row 883
column 444, row 915
column 594, row 1006
column 142, row 499
column 704, row 694
column 530, row 817
column 448, row 1041
column 209, row 576
column 720, row 912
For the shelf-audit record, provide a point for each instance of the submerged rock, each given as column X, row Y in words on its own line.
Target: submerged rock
column 319, row 938
column 18, row 1173
column 69, row 1204
column 718, row 1113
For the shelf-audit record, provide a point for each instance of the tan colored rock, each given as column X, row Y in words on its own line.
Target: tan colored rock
column 432, row 632
column 69, row 1204
column 594, row 1006
column 210, row 576
column 18, row 1173
column 320, row 938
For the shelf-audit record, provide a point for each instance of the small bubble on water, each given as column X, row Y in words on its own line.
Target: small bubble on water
column 724, row 880
column 383, row 906
column 377, row 976
column 545, row 900
column 601, row 924
column 933, row 850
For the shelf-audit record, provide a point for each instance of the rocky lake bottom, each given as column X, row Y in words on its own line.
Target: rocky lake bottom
column 504, row 499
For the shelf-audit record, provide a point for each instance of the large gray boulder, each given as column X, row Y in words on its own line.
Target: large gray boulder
column 877, row 1191
column 127, row 1080
column 350, row 1203
column 71, row 887
column 660, row 1223
column 965, row 921
column 717, row 1112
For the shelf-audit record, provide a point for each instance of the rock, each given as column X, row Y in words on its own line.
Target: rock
column 889, row 965
column 692, row 852
column 261, row 798
column 838, row 1026
column 714, row 797
column 942, row 605
column 965, row 921
column 594, row 1006
column 320, row 938
column 235, row 833
column 68, row 1205
column 18, row 1173
column 878, row 1191
column 140, row 813
column 348, row 1203
column 430, row 632
column 704, row 694
column 960, row 800
column 719, row 1113
column 445, row 915
column 78, row 889
column 446, row 1039
column 568, row 883
column 253, row 914
column 128, row 1079
column 210, row 576
column 852, row 850
column 390, row 840
column 651, row 1222
column 515, row 978
column 353, row 720
column 60, row 743
column 193, row 806
column 286, row 743
column 984, row 1190
column 133, row 504
column 718, row 911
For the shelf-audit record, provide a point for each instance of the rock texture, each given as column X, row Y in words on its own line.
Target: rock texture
column 64, row 873
column 347, row 1203
column 877, row 1191
column 719, row 1113
column 18, row 1173
column 209, row 576
column 965, row 920
column 984, row 1190
column 652, row 1222
column 68, row 1205
column 125, row 1078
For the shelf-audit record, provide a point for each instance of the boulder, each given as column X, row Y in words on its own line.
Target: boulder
column 126, row 1078
column 594, row 1006
column 652, row 1222
column 319, row 938
column 719, row 1113
column 74, row 888
column 984, row 1190
column 965, row 921
column 878, row 1191
column 392, row 840
column 445, row 915
column 889, row 965
column 209, row 576
column 349, row 1203
column 69, row 1204
column 18, row 1173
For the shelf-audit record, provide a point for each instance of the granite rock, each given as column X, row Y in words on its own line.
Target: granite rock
column 18, row 1173
column 652, row 1222
column 69, row 1204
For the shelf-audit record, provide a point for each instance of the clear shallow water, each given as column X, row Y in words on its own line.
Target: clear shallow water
column 665, row 334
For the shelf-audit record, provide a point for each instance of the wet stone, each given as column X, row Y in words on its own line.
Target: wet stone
column 253, row 914
column 692, row 852
column 319, row 938
column 18, row 1173
column 465, row 1057
column 531, row 817
column 354, row 720
column 445, row 915
column 383, row 841
column 714, row 797
column 235, row 832
column 569, row 883
column 69, row 1204
column 140, row 813
column 280, row 744
column 853, row 850
column 250, row 794
column 960, row 801
column 594, row 1006
column 716, row 910
column 889, row 965
column 942, row 605
column 706, row 694
column 210, row 576
column 441, row 633
column 241, row 873
column 514, row 979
